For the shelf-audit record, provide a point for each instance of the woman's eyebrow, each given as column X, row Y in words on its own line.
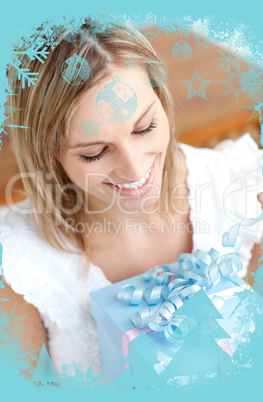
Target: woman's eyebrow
column 89, row 144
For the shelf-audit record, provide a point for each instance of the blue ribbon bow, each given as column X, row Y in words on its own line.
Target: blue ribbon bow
column 177, row 282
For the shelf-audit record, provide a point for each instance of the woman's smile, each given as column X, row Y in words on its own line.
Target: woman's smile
column 136, row 192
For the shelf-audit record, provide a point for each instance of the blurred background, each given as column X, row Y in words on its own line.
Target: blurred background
column 214, row 88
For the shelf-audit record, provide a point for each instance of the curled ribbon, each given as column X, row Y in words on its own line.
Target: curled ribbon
column 177, row 282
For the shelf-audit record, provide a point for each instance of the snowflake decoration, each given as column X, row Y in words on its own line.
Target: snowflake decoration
column 227, row 60
column 201, row 28
column 8, row 110
column 183, row 27
column 232, row 82
column 251, row 82
column 24, row 73
column 150, row 18
column 76, row 33
column 34, row 52
column 9, row 92
column 51, row 34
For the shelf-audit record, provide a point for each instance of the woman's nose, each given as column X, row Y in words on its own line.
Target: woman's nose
column 131, row 165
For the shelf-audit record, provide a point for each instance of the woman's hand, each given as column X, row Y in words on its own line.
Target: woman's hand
column 260, row 199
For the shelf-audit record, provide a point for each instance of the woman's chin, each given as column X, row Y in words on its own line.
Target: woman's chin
column 150, row 205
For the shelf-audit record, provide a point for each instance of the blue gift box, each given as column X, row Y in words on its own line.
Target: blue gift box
column 191, row 332
column 116, row 329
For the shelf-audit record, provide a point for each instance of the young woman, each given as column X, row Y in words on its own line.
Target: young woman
column 111, row 192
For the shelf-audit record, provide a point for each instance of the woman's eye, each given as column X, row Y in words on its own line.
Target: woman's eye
column 92, row 158
column 85, row 158
column 150, row 128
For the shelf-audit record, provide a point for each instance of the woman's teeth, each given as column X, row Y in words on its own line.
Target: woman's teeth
column 135, row 184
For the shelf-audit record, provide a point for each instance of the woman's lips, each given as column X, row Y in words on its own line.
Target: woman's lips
column 140, row 191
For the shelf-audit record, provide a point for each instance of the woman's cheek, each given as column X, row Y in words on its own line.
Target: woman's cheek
column 76, row 172
column 87, row 180
column 164, row 137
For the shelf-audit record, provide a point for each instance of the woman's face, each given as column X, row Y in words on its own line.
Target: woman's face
column 126, row 152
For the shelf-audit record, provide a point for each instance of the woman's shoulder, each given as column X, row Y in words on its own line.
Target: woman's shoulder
column 24, row 246
column 235, row 164
column 17, row 219
column 49, row 279
column 19, row 222
column 228, row 156
column 224, row 182
column 245, row 143
column 20, row 235
column 27, row 253
column 230, row 175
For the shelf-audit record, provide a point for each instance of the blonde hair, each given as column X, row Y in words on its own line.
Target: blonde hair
column 47, row 108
